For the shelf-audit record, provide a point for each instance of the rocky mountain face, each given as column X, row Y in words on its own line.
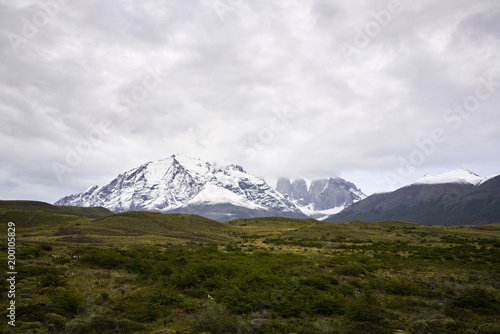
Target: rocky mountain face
column 459, row 197
column 323, row 197
column 297, row 190
column 188, row 185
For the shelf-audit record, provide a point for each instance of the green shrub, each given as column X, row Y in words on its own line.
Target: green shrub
column 55, row 322
column 31, row 325
column 31, row 312
column 46, row 247
column 52, row 280
column 401, row 286
column 67, row 302
column 104, row 296
column 365, row 308
column 328, row 305
column 290, row 307
column 29, row 252
column 38, row 270
column 61, row 260
column 184, row 280
column 488, row 328
column 236, row 301
column 100, row 324
column 105, row 258
column 76, row 326
column 479, row 300
column 352, row 269
column 128, row 326
column 148, row 305
column 442, row 325
column 162, row 268
column 346, row 289
column 214, row 318
column 320, row 281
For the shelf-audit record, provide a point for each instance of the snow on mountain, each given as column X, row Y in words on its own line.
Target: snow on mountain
column 309, row 211
column 184, row 184
column 461, row 175
column 213, row 194
column 488, row 178
column 458, row 197
column 323, row 197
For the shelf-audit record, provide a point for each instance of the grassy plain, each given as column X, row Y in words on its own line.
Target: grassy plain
column 89, row 271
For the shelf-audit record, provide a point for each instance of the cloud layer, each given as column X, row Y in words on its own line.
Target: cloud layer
column 378, row 92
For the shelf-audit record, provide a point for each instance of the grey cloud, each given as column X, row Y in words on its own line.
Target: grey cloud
column 224, row 75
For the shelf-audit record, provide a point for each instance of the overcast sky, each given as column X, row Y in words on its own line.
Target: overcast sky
column 377, row 92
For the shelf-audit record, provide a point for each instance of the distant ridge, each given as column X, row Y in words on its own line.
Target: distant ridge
column 461, row 176
column 90, row 212
column 459, row 197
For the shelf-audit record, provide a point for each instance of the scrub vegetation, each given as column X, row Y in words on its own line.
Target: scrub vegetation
column 91, row 271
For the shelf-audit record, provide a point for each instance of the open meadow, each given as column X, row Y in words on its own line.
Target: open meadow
column 90, row 271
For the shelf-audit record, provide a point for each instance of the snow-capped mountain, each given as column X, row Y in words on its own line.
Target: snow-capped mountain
column 460, row 176
column 323, row 197
column 458, row 197
column 188, row 185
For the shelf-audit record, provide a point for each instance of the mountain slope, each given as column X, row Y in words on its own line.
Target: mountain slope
column 460, row 176
column 323, row 197
column 433, row 200
column 186, row 185
column 35, row 206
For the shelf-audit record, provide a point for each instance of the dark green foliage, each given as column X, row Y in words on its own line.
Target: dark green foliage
column 55, row 322
column 31, row 252
column 328, row 305
column 321, row 278
column 401, row 286
column 105, row 258
column 479, row 300
column 149, row 304
column 47, row 275
column 61, row 260
column 67, row 302
column 31, row 312
column 46, row 248
column 97, row 324
column 320, row 281
column 364, row 308
column 352, row 269
column 52, row 279
column 294, row 242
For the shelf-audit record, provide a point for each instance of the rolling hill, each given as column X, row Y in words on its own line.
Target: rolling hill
column 455, row 198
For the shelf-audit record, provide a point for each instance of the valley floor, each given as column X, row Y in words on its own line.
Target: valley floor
column 157, row 273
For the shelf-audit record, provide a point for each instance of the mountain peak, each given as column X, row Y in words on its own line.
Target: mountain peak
column 460, row 175
column 322, row 197
column 185, row 184
column 183, row 158
column 235, row 167
column 455, row 197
